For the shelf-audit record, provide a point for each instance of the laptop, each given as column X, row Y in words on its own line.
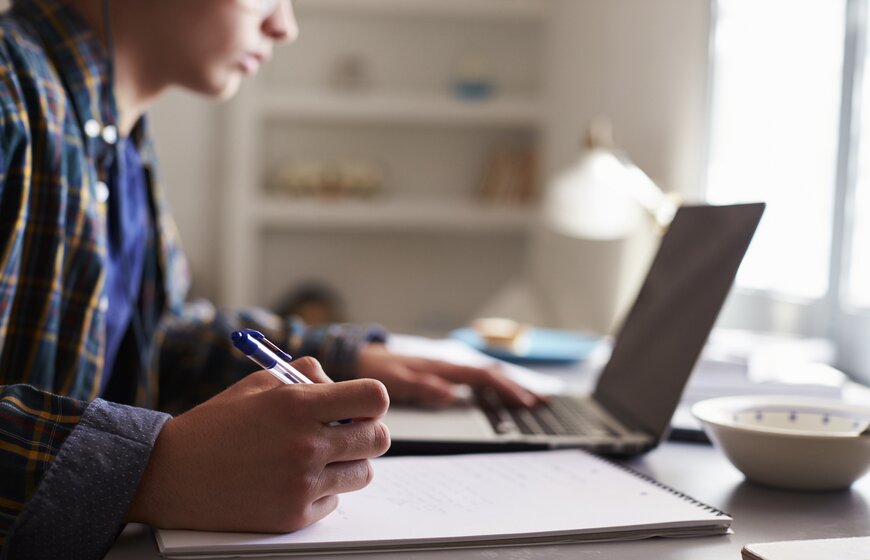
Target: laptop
column 638, row 390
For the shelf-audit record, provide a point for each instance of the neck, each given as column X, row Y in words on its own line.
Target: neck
column 136, row 85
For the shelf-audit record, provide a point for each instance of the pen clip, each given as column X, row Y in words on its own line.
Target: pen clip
column 268, row 343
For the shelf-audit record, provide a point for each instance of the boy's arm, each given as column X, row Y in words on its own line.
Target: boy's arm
column 196, row 359
column 209, row 469
column 68, row 472
column 33, row 427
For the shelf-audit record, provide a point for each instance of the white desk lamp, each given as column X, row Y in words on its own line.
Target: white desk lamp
column 596, row 233
column 603, row 195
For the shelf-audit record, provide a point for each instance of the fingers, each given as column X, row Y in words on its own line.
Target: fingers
column 326, row 403
column 358, row 440
column 421, row 388
column 339, row 478
column 264, row 381
column 512, row 393
column 321, row 508
column 335, row 479
column 311, row 368
column 433, row 391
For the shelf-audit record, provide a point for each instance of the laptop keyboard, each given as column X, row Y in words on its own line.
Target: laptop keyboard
column 563, row 415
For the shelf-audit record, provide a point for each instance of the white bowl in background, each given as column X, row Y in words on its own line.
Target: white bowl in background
column 791, row 442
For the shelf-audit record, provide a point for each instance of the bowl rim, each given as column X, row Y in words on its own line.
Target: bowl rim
column 716, row 412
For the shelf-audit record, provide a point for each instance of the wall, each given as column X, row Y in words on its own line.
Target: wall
column 641, row 62
column 187, row 129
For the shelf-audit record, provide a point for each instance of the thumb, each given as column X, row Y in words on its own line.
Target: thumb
column 256, row 382
column 311, row 368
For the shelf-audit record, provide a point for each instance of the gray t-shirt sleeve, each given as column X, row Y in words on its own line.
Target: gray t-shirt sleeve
column 79, row 507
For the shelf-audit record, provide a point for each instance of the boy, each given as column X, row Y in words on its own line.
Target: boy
column 92, row 314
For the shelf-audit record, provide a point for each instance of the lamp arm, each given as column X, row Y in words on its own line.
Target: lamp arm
column 661, row 206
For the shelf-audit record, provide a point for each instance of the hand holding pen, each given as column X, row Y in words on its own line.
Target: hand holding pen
column 271, row 358
column 266, row 454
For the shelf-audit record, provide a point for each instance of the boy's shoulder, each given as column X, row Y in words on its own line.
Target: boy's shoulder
column 18, row 37
column 25, row 64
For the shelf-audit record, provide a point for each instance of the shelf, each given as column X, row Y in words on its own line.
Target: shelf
column 412, row 215
column 530, row 10
column 399, row 108
column 435, row 145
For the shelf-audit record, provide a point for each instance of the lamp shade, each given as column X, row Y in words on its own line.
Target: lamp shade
column 595, row 198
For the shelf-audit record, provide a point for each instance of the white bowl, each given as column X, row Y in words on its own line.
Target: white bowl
column 790, row 442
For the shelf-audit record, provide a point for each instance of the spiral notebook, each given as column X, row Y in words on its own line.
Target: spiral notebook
column 469, row 501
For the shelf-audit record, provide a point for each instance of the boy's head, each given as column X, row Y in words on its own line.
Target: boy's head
column 208, row 46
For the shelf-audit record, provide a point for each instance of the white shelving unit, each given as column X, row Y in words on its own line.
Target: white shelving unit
column 398, row 108
column 459, row 9
column 415, row 216
column 455, row 249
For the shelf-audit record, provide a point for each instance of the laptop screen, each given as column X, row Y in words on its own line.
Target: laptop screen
column 663, row 334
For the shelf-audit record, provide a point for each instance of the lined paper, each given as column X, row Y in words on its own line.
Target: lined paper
column 477, row 498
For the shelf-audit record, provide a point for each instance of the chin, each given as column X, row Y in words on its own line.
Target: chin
column 221, row 89
column 230, row 88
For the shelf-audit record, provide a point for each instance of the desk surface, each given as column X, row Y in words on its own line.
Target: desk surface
column 760, row 515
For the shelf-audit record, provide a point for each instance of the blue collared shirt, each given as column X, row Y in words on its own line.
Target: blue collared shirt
column 129, row 230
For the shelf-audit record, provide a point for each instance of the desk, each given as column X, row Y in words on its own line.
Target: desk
column 760, row 514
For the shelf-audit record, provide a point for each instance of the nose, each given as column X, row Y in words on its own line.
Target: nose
column 281, row 25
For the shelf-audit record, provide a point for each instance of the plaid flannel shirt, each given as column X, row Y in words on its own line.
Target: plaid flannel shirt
column 56, row 113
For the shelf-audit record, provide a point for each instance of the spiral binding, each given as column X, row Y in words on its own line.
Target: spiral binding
column 674, row 491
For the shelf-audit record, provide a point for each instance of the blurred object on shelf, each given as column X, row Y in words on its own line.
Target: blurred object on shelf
column 299, row 178
column 357, row 179
column 350, row 73
column 473, row 76
column 361, row 179
column 313, row 301
column 510, row 177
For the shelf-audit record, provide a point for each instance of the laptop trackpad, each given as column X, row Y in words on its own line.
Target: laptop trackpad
column 456, row 424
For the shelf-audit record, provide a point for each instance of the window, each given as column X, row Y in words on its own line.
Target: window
column 858, row 293
column 786, row 128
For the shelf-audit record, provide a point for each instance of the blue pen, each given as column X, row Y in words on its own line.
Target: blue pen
column 271, row 358
column 268, row 356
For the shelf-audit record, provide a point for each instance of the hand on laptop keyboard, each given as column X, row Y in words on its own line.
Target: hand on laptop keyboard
column 421, row 381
